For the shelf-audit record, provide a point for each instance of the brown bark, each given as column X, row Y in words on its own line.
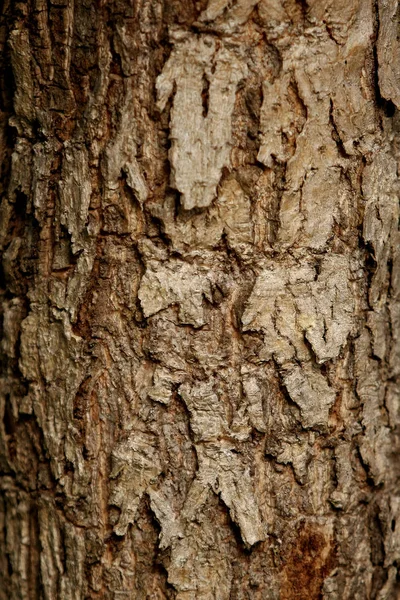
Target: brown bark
column 200, row 299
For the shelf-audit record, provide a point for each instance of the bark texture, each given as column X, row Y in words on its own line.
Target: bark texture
column 200, row 298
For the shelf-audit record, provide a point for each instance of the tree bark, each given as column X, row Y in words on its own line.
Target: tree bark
column 200, row 298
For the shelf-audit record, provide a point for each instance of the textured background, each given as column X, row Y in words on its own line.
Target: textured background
column 200, row 293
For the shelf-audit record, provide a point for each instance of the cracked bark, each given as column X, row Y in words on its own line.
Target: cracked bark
column 200, row 300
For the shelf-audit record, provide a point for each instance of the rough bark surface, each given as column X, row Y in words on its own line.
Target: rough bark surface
column 201, row 300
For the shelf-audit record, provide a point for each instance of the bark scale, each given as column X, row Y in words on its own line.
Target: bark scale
column 200, row 299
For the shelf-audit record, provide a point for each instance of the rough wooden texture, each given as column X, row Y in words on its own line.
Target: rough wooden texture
column 201, row 300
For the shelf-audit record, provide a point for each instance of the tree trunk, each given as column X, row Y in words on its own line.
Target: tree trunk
column 200, row 294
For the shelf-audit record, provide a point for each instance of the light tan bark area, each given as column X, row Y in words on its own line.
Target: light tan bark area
column 200, row 297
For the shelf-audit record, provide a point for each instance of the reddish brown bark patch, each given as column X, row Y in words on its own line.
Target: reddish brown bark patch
column 308, row 559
